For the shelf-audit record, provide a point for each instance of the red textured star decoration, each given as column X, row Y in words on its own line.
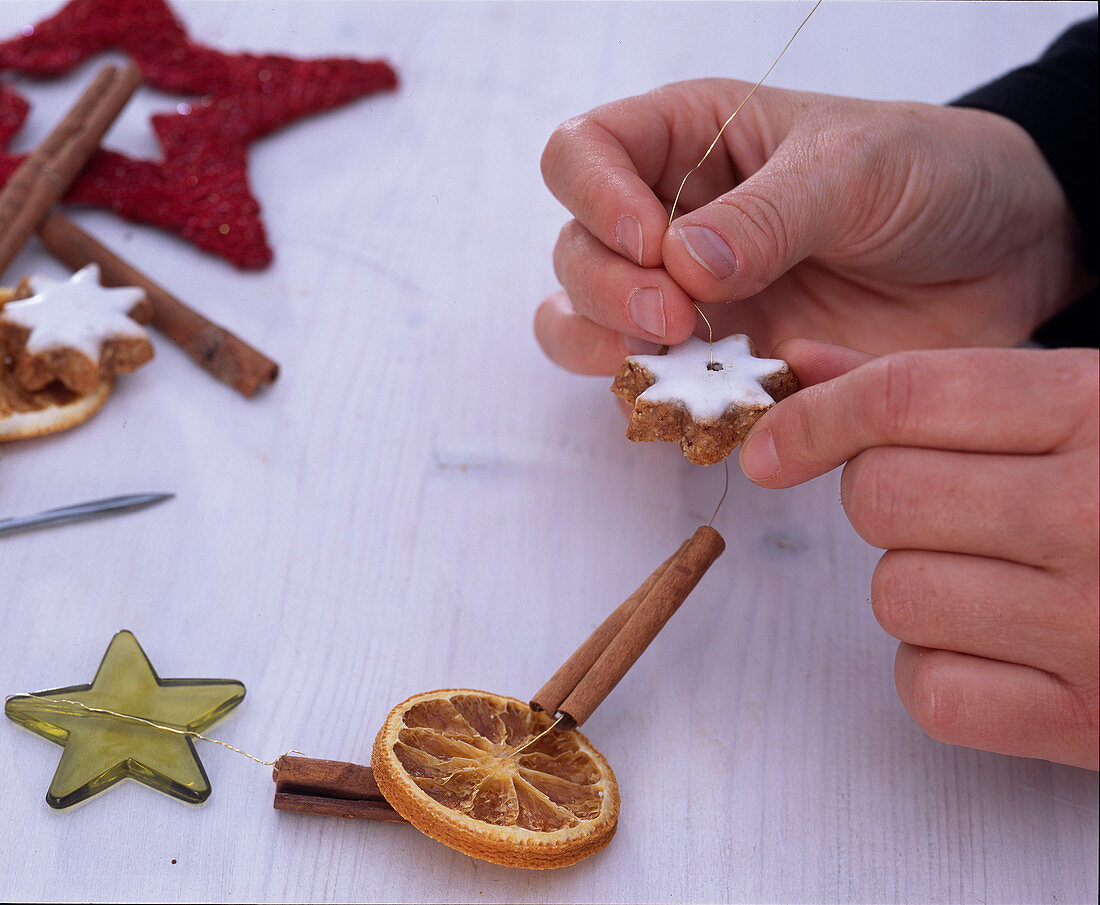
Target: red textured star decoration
column 200, row 190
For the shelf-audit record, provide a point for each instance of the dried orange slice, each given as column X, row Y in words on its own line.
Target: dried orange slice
column 25, row 414
column 445, row 761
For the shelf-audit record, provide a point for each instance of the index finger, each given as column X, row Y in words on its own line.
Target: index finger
column 601, row 164
column 972, row 400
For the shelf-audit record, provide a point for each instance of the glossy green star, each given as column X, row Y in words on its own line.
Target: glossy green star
column 101, row 748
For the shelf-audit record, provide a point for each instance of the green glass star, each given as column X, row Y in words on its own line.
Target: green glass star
column 101, row 749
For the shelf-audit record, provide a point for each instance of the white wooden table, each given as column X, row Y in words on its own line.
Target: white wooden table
column 423, row 501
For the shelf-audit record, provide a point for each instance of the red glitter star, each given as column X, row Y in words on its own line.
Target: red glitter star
column 200, row 191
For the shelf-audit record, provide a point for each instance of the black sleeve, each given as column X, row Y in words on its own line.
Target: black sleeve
column 1055, row 101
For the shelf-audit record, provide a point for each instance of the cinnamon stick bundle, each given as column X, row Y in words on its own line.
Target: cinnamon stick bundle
column 587, row 677
column 46, row 174
column 226, row 356
column 559, row 686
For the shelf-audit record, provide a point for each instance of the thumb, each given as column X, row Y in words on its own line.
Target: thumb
column 797, row 204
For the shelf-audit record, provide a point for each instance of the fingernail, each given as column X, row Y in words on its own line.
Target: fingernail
column 647, row 308
column 628, row 233
column 637, row 346
column 758, row 457
column 710, row 250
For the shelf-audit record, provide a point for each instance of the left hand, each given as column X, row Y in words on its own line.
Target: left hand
column 977, row 472
column 879, row 225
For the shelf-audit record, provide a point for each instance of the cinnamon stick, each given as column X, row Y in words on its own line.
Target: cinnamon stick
column 337, row 807
column 46, row 174
column 226, row 356
column 329, row 788
column 331, row 778
column 671, row 587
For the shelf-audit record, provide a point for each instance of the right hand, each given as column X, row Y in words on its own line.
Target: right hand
column 880, row 226
column 976, row 470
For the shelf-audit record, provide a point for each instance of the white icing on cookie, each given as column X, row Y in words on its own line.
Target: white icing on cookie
column 683, row 375
column 75, row 313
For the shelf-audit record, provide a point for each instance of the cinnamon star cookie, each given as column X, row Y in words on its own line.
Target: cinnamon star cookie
column 74, row 331
column 703, row 396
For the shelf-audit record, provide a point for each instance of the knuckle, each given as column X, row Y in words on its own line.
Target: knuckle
column 893, row 595
column 591, row 186
column 870, row 496
column 547, row 325
column 1084, row 716
column 936, row 700
column 798, row 435
column 1071, row 712
column 1075, row 371
column 1081, row 502
column 671, row 94
column 1075, row 375
column 891, row 405
column 852, row 139
column 564, row 251
column 574, row 256
column 863, row 154
column 560, row 147
column 572, row 169
column 571, row 233
column 570, row 341
column 763, row 238
column 1067, row 509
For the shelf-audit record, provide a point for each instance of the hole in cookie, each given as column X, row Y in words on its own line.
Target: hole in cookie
column 714, row 366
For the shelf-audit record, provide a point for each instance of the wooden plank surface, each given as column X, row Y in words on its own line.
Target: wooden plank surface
column 423, row 501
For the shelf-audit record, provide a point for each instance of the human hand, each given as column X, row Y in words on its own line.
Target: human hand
column 881, row 226
column 977, row 472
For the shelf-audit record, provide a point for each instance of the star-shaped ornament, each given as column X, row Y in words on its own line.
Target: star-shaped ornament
column 704, row 396
column 102, row 748
column 199, row 190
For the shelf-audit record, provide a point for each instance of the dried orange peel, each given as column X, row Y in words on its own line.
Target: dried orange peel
column 25, row 414
column 445, row 760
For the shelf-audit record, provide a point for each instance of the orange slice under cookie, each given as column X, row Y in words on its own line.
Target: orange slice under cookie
column 35, row 413
column 701, row 395
column 445, row 761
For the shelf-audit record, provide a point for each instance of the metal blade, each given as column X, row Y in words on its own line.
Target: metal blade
column 81, row 511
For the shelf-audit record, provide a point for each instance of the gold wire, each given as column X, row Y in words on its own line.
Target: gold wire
column 562, row 721
column 710, row 330
column 190, row 733
column 676, row 201
column 725, row 490
column 745, row 100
